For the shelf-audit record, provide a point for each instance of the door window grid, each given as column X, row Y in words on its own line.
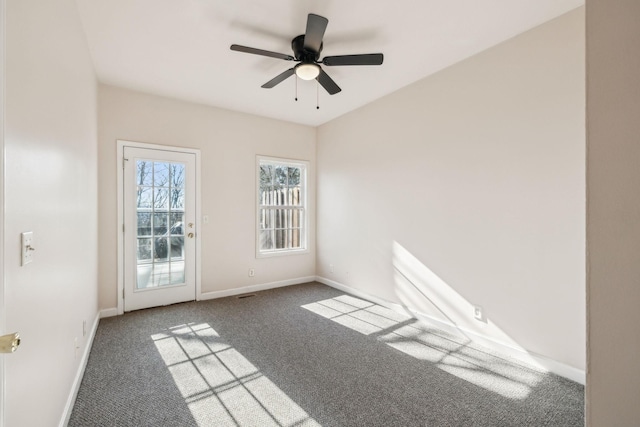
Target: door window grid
column 160, row 218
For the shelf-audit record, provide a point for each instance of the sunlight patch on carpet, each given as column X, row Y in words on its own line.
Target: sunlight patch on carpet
column 448, row 352
column 220, row 386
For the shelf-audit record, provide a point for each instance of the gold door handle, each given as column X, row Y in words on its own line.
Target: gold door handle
column 190, row 235
column 9, row 343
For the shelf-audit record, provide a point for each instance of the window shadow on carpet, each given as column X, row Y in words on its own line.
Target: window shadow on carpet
column 446, row 351
column 219, row 385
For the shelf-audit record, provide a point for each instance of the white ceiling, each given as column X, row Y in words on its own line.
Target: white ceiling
column 180, row 48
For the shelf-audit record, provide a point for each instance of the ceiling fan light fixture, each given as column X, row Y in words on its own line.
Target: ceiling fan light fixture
column 307, row 71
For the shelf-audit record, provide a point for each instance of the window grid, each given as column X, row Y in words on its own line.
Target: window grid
column 281, row 206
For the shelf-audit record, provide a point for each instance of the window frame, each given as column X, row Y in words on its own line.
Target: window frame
column 303, row 165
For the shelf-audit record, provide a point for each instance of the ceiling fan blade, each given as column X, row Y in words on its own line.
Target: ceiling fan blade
column 366, row 59
column 316, row 26
column 279, row 78
column 328, row 83
column 255, row 51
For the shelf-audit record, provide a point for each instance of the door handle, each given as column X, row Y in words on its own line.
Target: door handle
column 9, row 343
column 190, row 235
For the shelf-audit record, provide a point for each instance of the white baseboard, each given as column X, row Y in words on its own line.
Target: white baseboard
column 75, row 387
column 108, row 312
column 526, row 356
column 255, row 288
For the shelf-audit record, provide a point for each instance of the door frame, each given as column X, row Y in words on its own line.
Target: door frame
column 120, row 207
column 3, row 324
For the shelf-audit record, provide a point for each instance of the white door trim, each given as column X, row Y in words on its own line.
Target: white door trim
column 2, row 208
column 120, row 206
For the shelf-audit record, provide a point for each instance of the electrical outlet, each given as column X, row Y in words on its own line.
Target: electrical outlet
column 478, row 313
column 84, row 328
column 205, row 219
column 252, row 272
column 330, row 268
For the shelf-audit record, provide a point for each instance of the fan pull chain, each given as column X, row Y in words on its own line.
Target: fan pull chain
column 317, row 95
column 296, row 88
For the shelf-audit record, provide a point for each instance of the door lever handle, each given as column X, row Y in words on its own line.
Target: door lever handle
column 9, row 343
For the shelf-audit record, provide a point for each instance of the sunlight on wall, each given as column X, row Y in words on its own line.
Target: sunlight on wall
column 448, row 352
column 220, row 386
column 422, row 290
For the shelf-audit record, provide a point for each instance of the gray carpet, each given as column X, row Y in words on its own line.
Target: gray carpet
column 306, row 355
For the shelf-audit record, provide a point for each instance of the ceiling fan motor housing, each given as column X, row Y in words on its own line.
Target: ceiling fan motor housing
column 302, row 54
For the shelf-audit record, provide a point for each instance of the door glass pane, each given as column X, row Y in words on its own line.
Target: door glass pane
column 177, row 248
column 160, row 174
column 177, row 175
column 161, row 199
column 177, row 272
column 144, row 224
column 160, row 224
column 145, row 197
column 176, row 199
column 144, row 173
column 144, row 249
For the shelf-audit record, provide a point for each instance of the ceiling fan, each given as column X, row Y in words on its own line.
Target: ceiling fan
column 306, row 51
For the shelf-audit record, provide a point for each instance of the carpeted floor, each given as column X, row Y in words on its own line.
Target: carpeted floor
column 306, row 355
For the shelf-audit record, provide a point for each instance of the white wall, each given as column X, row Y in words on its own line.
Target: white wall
column 229, row 143
column 468, row 187
column 50, row 189
column 613, row 212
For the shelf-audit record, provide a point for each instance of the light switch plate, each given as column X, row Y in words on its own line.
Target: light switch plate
column 27, row 247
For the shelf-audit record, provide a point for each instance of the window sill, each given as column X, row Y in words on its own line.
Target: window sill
column 283, row 252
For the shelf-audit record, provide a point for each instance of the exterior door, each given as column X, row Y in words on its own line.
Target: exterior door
column 159, row 227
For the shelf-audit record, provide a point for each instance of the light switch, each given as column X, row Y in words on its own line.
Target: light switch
column 27, row 247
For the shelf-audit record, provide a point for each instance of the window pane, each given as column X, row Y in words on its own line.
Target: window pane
column 177, row 272
column 294, row 196
column 280, row 176
column 144, row 172
column 144, row 224
column 176, row 223
column 266, row 218
column 265, row 195
column 294, row 176
column 281, row 239
column 177, row 175
column 160, row 224
column 295, row 238
column 283, row 200
column 266, row 176
column 161, row 198
column 144, row 249
column 161, row 249
column 296, row 218
column 160, row 174
column 266, row 240
column 177, row 247
column 144, row 196
column 279, row 218
column 177, row 199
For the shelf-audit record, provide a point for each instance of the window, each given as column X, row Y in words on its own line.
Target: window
column 282, row 211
